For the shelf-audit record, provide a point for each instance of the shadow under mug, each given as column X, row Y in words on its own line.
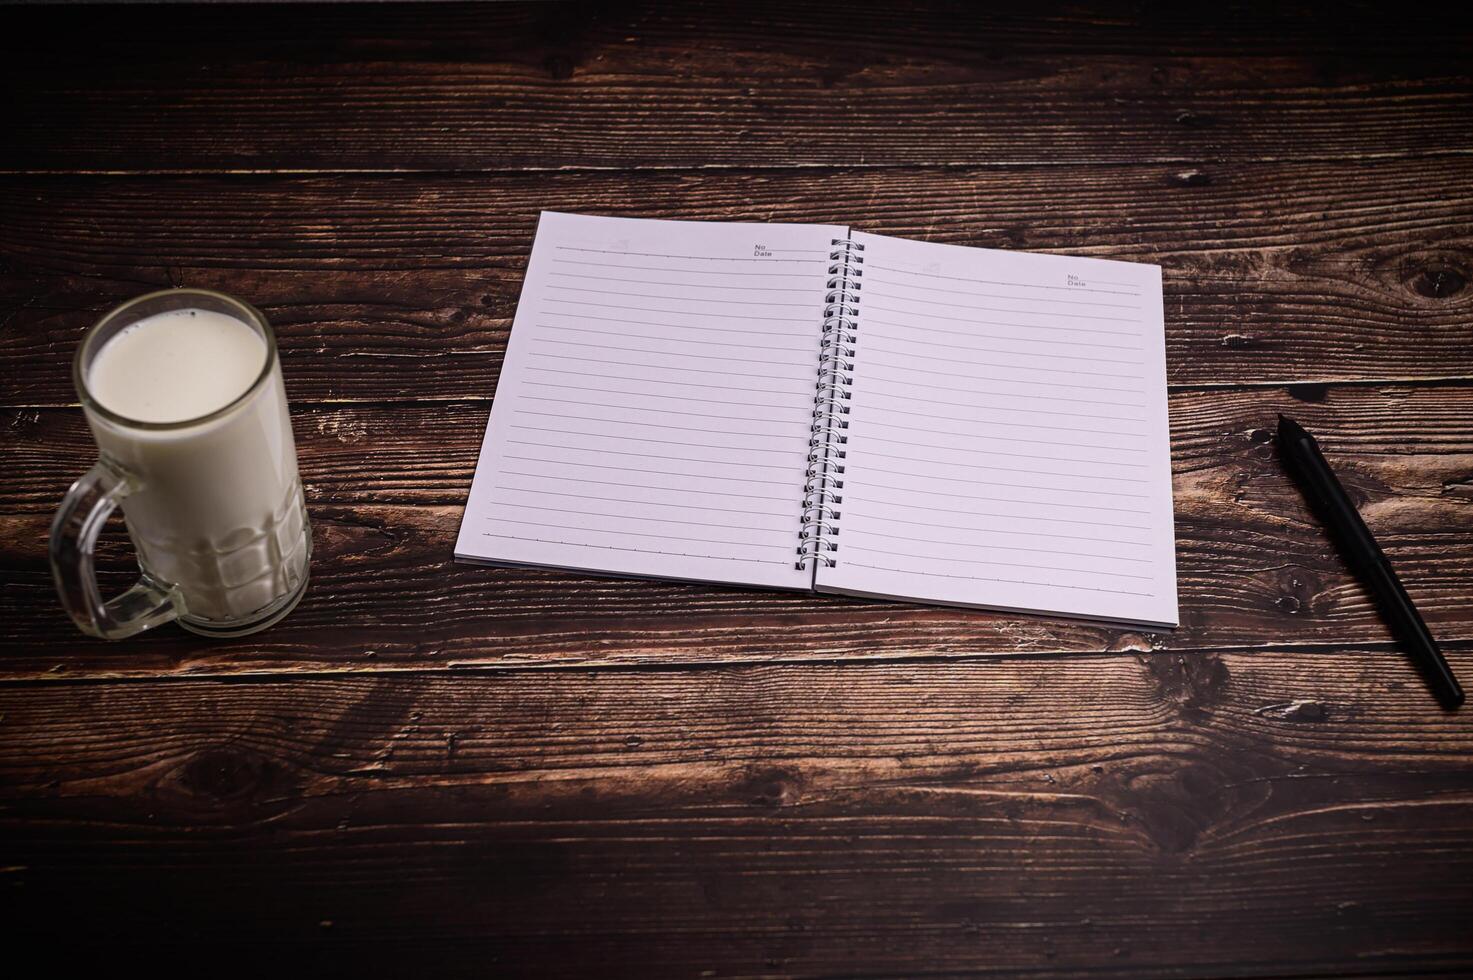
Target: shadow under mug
column 213, row 504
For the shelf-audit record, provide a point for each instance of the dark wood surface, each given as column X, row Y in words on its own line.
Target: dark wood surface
column 437, row 769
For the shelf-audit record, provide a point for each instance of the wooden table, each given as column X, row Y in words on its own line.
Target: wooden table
column 433, row 768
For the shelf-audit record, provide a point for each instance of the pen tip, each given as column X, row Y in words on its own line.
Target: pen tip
column 1290, row 429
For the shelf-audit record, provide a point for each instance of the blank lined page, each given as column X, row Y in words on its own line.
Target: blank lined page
column 1008, row 440
column 653, row 410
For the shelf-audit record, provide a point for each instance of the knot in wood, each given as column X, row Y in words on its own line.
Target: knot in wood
column 1438, row 283
column 1193, row 682
column 225, row 774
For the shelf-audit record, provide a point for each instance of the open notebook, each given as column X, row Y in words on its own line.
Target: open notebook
column 808, row 407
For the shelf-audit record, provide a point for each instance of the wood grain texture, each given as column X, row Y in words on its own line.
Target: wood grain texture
column 504, row 87
column 433, row 769
column 386, row 486
column 403, row 288
column 1088, row 813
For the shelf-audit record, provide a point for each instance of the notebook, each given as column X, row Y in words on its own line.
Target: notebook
column 795, row 406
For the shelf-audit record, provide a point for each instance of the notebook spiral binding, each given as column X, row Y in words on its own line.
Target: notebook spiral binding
column 823, row 479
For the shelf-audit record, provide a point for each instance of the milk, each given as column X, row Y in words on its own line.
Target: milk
column 218, row 508
column 177, row 365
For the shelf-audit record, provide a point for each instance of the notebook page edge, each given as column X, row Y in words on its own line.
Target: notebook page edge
column 604, row 573
column 1031, row 611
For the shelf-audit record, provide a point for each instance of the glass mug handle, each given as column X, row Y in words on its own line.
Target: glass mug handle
column 74, row 531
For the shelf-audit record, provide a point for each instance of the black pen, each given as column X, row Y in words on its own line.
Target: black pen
column 1302, row 458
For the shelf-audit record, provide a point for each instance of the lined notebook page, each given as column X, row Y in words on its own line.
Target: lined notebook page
column 1008, row 440
column 653, row 410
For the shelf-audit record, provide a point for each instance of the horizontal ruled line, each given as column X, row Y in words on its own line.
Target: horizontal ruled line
column 1031, row 442
column 634, row 551
column 931, row 341
column 1021, row 326
column 1108, row 282
column 953, row 525
column 999, row 309
column 694, row 272
column 654, row 425
column 999, row 564
column 625, row 500
column 643, row 534
column 999, row 282
column 998, row 452
column 1011, row 425
column 674, row 326
column 621, row 452
column 645, row 394
column 1004, row 547
column 1015, row 500
column 971, row 481
column 662, row 411
column 996, row 309
column 585, row 345
column 873, row 379
column 998, row 408
column 700, row 258
column 990, row 467
column 1019, row 299
column 683, row 384
column 691, row 299
column 973, row 376
column 686, row 285
column 637, row 469
column 704, row 344
column 866, row 348
column 1031, row 532
column 760, row 375
column 1015, row 517
column 985, row 578
column 785, row 529
column 646, row 486
column 700, row 313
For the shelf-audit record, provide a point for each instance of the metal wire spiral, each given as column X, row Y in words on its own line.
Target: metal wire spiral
column 823, row 481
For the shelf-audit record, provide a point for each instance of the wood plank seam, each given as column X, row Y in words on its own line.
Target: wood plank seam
column 855, row 661
column 1186, row 161
column 472, row 401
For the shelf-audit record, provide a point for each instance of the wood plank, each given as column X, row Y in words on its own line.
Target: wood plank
column 386, row 486
column 404, row 288
column 501, row 87
column 1153, row 815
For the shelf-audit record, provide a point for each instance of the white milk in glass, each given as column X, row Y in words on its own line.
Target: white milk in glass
column 218, row 509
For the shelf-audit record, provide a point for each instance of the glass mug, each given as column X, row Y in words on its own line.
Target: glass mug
column 195, row 444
